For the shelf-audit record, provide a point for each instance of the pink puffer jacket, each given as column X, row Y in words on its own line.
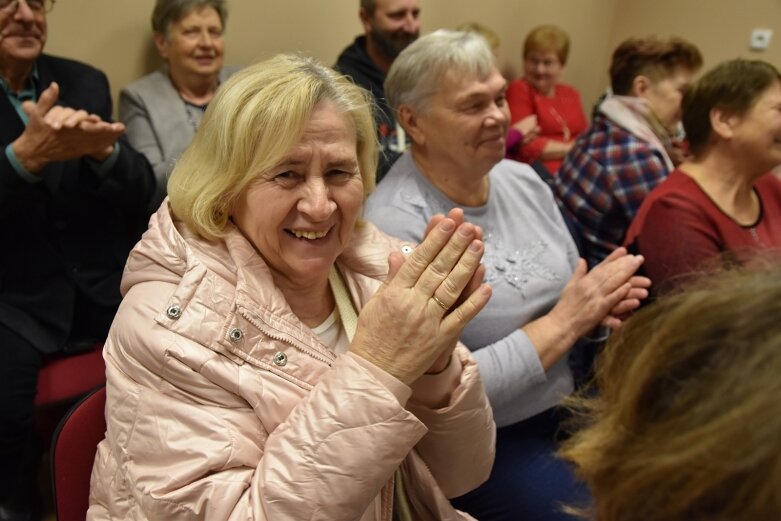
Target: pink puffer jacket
column 223, row 405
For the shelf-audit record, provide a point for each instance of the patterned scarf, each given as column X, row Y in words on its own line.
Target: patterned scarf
column 635, row 115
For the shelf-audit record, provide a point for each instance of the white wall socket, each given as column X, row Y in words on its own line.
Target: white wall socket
column 760, row 39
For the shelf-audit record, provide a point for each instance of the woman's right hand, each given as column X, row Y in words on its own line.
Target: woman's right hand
column 590, row 298
column 403, row 329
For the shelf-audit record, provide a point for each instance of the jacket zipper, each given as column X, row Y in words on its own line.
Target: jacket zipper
column 287, row 339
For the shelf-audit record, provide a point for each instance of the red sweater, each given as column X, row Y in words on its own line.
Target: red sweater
column 554, row 114
column 678, row 228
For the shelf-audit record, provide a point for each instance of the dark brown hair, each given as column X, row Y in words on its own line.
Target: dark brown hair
column 733, row 86
column 651, row 57
column 167, row 12
column 369, row 6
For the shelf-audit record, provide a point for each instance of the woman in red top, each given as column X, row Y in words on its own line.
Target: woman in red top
column 723, row 199
column 557, row 106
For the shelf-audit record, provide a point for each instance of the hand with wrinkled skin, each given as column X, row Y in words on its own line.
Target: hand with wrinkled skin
column 609, row 289
column 457, row 215
column 55, row 133
column 402, row 330
column 600, row 296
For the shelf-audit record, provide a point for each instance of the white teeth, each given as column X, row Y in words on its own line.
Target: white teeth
column 309, row 235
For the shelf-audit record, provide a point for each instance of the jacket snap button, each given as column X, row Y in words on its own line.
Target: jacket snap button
column 235, row 334
column 174, row 311
column 280, row 359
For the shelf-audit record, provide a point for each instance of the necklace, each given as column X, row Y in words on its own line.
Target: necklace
column 562, row 122
column 194, row 113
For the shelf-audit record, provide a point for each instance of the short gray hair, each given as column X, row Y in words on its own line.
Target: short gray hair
column 167, row 12
column 417, row 72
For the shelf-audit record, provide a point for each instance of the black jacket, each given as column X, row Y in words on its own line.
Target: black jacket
column 65, row 239
column 356, row 63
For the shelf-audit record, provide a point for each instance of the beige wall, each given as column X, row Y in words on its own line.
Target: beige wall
column 114, row 35
column 720, row 28
column 586, row 21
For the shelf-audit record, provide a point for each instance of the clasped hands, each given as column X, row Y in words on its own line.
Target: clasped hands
column 57, row 133
column 606, row 295
column 528, row 127
column 411, row 325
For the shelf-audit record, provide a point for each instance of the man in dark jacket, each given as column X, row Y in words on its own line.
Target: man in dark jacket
column 389, row 27
column 73, row 197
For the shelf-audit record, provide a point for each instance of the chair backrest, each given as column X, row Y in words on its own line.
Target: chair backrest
column 67, row 377
column 73, row 454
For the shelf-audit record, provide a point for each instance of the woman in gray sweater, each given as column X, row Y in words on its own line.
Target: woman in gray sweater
column 449, row 97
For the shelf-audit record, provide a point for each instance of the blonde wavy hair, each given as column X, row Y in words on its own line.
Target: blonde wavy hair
column 251, row 124
column 686, row 423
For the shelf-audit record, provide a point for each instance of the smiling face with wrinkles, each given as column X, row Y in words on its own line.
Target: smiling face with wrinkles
column 194, row 45
column 23, row 34
column 475, row 115
column 301, row 214
column 393, row 25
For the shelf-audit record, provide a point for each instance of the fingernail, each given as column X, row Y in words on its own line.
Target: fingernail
column 447, row 225
column 475, row 246
column 466, row 231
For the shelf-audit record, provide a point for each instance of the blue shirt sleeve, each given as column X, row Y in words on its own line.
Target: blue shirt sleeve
column 18, row 168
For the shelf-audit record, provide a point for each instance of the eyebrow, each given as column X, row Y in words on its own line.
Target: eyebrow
column 344, row 164
column 481, row 94
column 289, row 161
column 403, row 10
column 196, row 25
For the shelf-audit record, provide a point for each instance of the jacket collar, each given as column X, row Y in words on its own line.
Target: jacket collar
column 170, row 252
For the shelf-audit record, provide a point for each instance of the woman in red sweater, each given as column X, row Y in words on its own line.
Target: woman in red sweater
column 557, row 106
column 721, row 202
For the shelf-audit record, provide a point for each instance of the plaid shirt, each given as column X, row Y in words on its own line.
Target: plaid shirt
column 602, row 182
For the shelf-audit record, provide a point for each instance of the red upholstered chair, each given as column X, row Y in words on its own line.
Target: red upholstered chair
column 63, row 379
column 73, row 453
column 69, row 376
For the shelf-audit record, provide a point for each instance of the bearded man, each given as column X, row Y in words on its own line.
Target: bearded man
column 389, row 27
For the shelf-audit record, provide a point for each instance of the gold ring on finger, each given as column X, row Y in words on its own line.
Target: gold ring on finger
column 439, row 302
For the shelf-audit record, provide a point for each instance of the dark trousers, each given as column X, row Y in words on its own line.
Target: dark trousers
column 527, row 481
column 19, row 447
column 20, row 363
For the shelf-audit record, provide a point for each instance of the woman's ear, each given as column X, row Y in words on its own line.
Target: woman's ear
column 722, row 122
column 640, row 85
column 410, row 121
column 161, row 44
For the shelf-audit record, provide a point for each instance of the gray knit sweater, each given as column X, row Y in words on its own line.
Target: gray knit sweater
column 529, row 258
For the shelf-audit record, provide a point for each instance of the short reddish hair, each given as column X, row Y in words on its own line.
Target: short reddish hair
column 546, row 38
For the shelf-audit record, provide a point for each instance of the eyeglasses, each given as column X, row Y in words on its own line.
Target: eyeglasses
column 36, row 6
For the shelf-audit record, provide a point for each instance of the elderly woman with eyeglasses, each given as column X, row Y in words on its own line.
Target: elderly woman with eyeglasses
column 276, row 357
column 556, row 106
